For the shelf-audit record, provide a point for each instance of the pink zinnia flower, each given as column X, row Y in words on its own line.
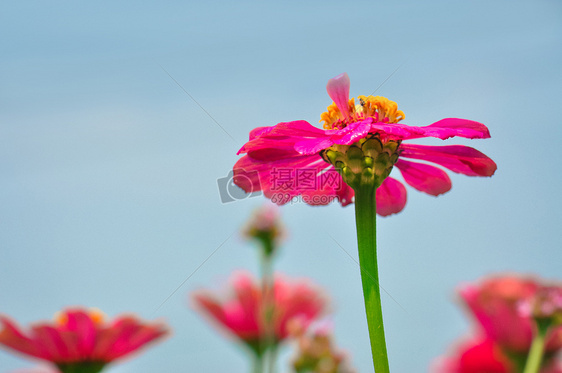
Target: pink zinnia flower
column 483, row 355
column 242, row 313
column 364, row 140
column 499, row 304
column 80, row 338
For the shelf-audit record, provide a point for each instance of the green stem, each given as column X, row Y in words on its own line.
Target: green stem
column 534, row 359
column 365, row 215
column 81, row 367
column 272, row 358
column 258, row 364
column 268, row 341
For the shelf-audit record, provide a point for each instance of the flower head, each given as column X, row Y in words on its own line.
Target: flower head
column 360, row 144
column 502, row 305
column 242, row 313
column 80, row 337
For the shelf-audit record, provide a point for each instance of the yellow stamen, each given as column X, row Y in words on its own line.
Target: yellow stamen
column 61, row 318
column 379, row 108
column 97, row 317
column 333, row 118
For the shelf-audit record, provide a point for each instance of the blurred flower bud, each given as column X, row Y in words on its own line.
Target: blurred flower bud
column 265, row 226
column 316, row 352
column 547, row 304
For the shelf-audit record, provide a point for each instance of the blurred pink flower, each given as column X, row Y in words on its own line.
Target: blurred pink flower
column 296, row 158
column 482, row 355
column 241, row 313
column 498, row 305
column 80, row 336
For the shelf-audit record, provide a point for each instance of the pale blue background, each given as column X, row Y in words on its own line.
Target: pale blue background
column 108, row 193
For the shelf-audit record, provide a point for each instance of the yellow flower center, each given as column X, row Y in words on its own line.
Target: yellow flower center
column 97, row 317
column 381, row 109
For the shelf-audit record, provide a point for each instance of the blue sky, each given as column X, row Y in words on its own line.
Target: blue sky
column 108, row 191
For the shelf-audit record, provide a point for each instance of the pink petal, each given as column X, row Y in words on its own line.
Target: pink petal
column 425, row 178
column 209, row 305
column 299, row 128
column 442, row 129
column 240, row 314
column 478, row 354
column 123, row 336
column 247, row 293
column 141, row 334
column 280, row 139
column 12, row 337
column 282, row 179
column 345, row 136
column 243, row 312
column 50, row 340
column 457, row 158
column 269, row 149
column 253, row 174
column 312, row 146
column 321, row 197
column 338, row 90
column 450, row 127
column 345, row 194
column 80, row 323
column 260, row 131
column 329, row 187
column 352, row 133
column 398, row 130
column 391, row 197
column 104, row 343
column 126, row 328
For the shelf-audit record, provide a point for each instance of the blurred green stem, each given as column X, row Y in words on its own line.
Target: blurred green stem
column 81, row 367
column 272, row 358
column 534, row 359
column 268, row 341
column 258, row 364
